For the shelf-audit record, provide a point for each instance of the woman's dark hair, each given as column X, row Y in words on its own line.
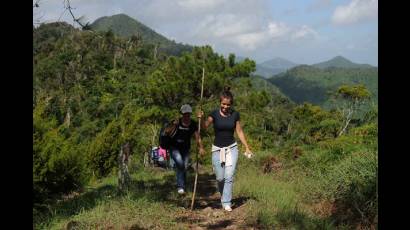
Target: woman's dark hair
column 226, row 93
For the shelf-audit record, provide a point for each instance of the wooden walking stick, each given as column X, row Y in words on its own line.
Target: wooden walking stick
column 199, row 131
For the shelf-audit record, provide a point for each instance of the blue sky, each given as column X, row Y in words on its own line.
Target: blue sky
column 302, row 31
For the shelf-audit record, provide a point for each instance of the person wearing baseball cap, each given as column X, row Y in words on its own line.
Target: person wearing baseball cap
column 181, row 144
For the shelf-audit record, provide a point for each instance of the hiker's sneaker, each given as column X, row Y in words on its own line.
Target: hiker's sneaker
column 228, row 208
column 181, row 191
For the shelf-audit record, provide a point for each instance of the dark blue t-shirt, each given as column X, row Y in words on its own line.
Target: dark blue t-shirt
column 224, row 128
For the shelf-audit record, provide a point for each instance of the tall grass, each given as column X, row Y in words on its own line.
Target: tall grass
column 276, row 201
column 103, row 207
column 330, row 185
column 337, row 176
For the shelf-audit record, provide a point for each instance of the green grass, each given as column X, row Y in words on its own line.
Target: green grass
column 146, row 205
column 337, row 177
column 341, row 172
column 276, row 200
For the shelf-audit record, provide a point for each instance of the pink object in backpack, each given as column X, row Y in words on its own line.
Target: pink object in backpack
column 162, row 153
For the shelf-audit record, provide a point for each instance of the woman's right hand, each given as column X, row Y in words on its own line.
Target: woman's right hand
column 201, row 151
column 200, row 114
column 248, row 153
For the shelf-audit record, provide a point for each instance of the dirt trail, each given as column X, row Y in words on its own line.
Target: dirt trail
column 208, row 213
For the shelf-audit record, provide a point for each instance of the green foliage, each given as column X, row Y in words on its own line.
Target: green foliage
column 231, row 59
column 58, row 164
column 46, row 34
column 273, row 67
column 344, row 171
column 103, row 151
column 354, row 93
column 353, row 103
column 309, row 84
column 371, row 115
column 243, row 69
column 351, row 183
column 260, row 83
column 340, row 62
column 312, row 124
column 124, row 26
column 94, row 92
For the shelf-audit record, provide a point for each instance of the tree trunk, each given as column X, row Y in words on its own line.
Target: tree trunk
column 115, row 61
column 124, row 178
column 348, row 119
column 155, row 52
column 68, row 118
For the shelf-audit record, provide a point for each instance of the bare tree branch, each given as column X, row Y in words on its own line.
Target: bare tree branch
column 62, row 14
column 37, row 19
column 36, row 4
column 77, row 20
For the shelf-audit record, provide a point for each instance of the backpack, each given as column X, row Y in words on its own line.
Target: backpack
column 158, row 158
column 166, row 133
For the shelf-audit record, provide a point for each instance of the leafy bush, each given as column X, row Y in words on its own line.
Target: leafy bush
column 312, row 124
column 103, row 151
column 354, row 189
column 58, row 166
column 344, row 171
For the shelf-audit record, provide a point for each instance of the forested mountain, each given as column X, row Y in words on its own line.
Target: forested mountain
column 341, row 62
column 95, row 92
column 261, row 83
column 125, row 26
column 272, row 67
column 310, row 84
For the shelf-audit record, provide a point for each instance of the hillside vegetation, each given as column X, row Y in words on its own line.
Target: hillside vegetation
column 273, row 67
column 341, row 62
column 93, row 92
column 310, row 84
column 124, row 26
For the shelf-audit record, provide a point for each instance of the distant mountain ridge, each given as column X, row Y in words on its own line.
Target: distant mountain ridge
column 307, row 83
column 125, row 26
column 273, row 66
column 278, row 62
column 340, row 62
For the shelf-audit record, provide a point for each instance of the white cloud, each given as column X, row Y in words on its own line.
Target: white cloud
column 304, row 32
column 199, row 4
column 253, row 28
column 250, row 41
column 225, row 25
column 246, row 32
column 277, row 29
column 356, row 11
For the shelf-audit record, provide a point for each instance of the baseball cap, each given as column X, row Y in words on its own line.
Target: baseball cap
column 186, row 109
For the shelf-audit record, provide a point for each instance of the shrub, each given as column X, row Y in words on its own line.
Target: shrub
column 58, row 163
column 312, row 124
column 355, row 194
column 58, row 166
column 103, row 151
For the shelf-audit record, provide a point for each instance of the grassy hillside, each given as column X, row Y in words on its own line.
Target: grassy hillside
column 331, row 185
column 95, row 92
